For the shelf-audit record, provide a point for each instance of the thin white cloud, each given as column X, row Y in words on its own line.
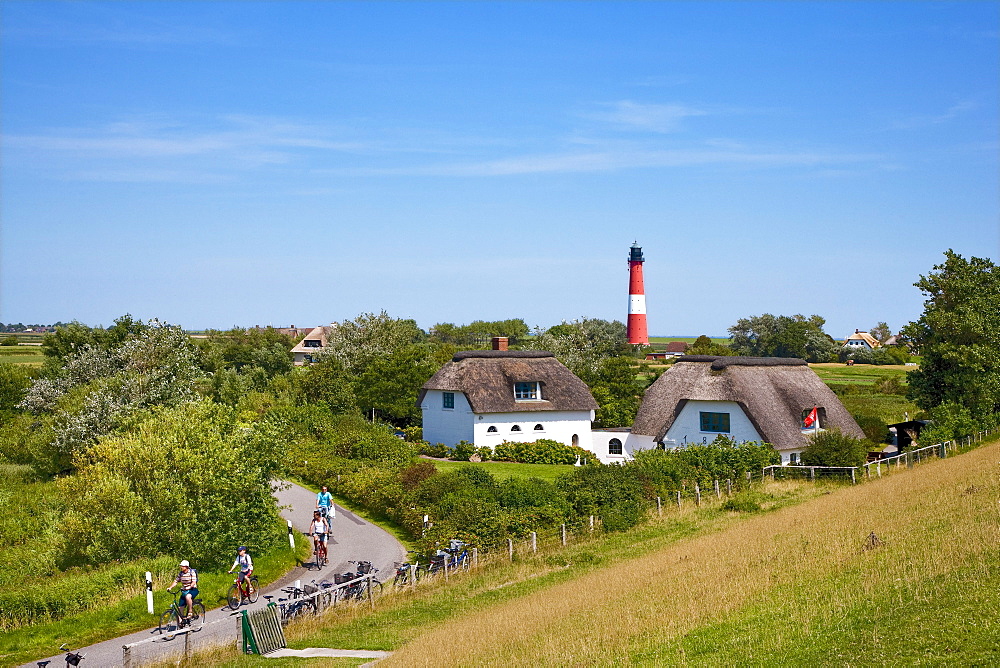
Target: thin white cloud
column 616, row 160
column 658, row 118
column 953, row 112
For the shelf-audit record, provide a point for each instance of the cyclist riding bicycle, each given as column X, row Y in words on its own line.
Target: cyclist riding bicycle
column 324, row 504
column 243, row 562
column 188, row 580
column 320, row 529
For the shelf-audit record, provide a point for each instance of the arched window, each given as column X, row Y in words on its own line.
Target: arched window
column 576, row 440
column 491, row 430
column 614, row 447
column 516, row 428
column 539, row 427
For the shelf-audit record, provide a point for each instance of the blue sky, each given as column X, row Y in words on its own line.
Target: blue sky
column 234, row 163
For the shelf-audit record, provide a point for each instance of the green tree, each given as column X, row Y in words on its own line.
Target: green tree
column 833, row 448
column 783, row 336
column 958, row 337
column 703, row 345
column 616, row 391
column 15, row 380
column 880, row 332
column 582, row 344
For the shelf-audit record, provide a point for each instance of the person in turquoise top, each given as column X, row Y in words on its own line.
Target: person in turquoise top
column 324, row 504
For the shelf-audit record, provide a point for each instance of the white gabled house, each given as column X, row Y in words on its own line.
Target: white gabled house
column 861, row 339
column 762, row 399
column 487, row 397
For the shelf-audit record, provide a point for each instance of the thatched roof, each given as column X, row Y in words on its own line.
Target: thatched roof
column 487, row 378
column 321, row 334
column 772, row 391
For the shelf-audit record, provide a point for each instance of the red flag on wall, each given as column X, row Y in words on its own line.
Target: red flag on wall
column 811, row 418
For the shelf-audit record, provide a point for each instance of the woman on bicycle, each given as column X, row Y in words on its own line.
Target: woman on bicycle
column 319, row 528
column 244, row 563
column 188, row 580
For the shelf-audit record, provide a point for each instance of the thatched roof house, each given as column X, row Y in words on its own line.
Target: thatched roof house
column 861, row 339
column 306, row 349
column 746, row 398
column 489, row 396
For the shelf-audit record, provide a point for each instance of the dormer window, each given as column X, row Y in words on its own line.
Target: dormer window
column 527, row 391
column 312, row 343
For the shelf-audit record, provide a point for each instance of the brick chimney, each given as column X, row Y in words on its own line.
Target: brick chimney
column 499, row 343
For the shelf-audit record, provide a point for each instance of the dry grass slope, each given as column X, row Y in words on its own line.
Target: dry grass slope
column 801, row 570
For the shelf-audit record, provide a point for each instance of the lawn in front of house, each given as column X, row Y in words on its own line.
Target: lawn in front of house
column 508, row 469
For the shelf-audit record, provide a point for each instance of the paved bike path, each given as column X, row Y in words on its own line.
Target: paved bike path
column 353, row 539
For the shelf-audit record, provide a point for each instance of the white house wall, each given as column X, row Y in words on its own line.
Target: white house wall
column 687, row 427
column 559, row 426
column 447, row 425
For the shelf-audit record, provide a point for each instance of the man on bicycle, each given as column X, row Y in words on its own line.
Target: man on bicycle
column 324, row 504
column 319, row 528
column 188, row 580
column 245, row 564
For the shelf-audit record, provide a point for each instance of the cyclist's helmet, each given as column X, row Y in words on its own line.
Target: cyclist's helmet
column 241, row 548
column 185, row 563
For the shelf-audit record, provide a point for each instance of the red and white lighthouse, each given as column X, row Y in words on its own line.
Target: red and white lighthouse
column 636, row 325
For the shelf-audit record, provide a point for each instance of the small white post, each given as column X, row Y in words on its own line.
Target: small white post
column 678, row 498
column 729, row 486
column 510, row 548
column 591, row 524
column 149, row 592
column 446, row 567
column 564, row 535
column 659, row 506
column 534, row 542
column 475, row 556
column 718, row 494
column 413, row 576
column 291, row 538
column 697, row 494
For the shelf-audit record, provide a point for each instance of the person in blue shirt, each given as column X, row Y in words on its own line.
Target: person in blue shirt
column 324, row 504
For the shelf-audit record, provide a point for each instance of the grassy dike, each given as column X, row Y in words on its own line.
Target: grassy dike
column 794, row 585
column 127, row 613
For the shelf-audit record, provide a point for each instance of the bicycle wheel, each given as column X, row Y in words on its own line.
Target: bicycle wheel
column 377, row 588
column 233, row 598
column 254, row 593
column 198, row 620
column 168, row 623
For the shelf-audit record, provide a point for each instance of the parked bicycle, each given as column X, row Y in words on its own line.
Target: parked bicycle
column 243, row 592
column 459, row 552
column 173, row 618
column 358, row 589
column 294, row 604
column 72, row 658
column 408, row 573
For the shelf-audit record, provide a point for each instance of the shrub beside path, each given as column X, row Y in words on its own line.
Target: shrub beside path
column 353, row 539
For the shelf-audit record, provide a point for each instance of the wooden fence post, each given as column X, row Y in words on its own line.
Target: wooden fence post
column 678, row 498
column 591, row 524
column 697, row 494
column 564, row 535
column 534, row 542
column 413, row 576
column 475, row 556
column 729, row 486
column 445, row 567
column 510, row 548
column 853, row 481
column 659, row 506
column 187, row 646
column 718, row 494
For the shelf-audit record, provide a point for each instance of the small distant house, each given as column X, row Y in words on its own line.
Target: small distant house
column 762, row 399
column 306, row 350
column 861, row 339
column 487, row 397
column 674, row 349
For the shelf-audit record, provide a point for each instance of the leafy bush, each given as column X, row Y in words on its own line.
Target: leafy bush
column 833, row 448
column 485, row 453
column 874, row 427
column 665, row 471
column 610, row 492
column 462, row 451
column 745, row 501
column 9, row 341
column 438, row 450
column 186, row 481
column 542, row 451
column 949, row 421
